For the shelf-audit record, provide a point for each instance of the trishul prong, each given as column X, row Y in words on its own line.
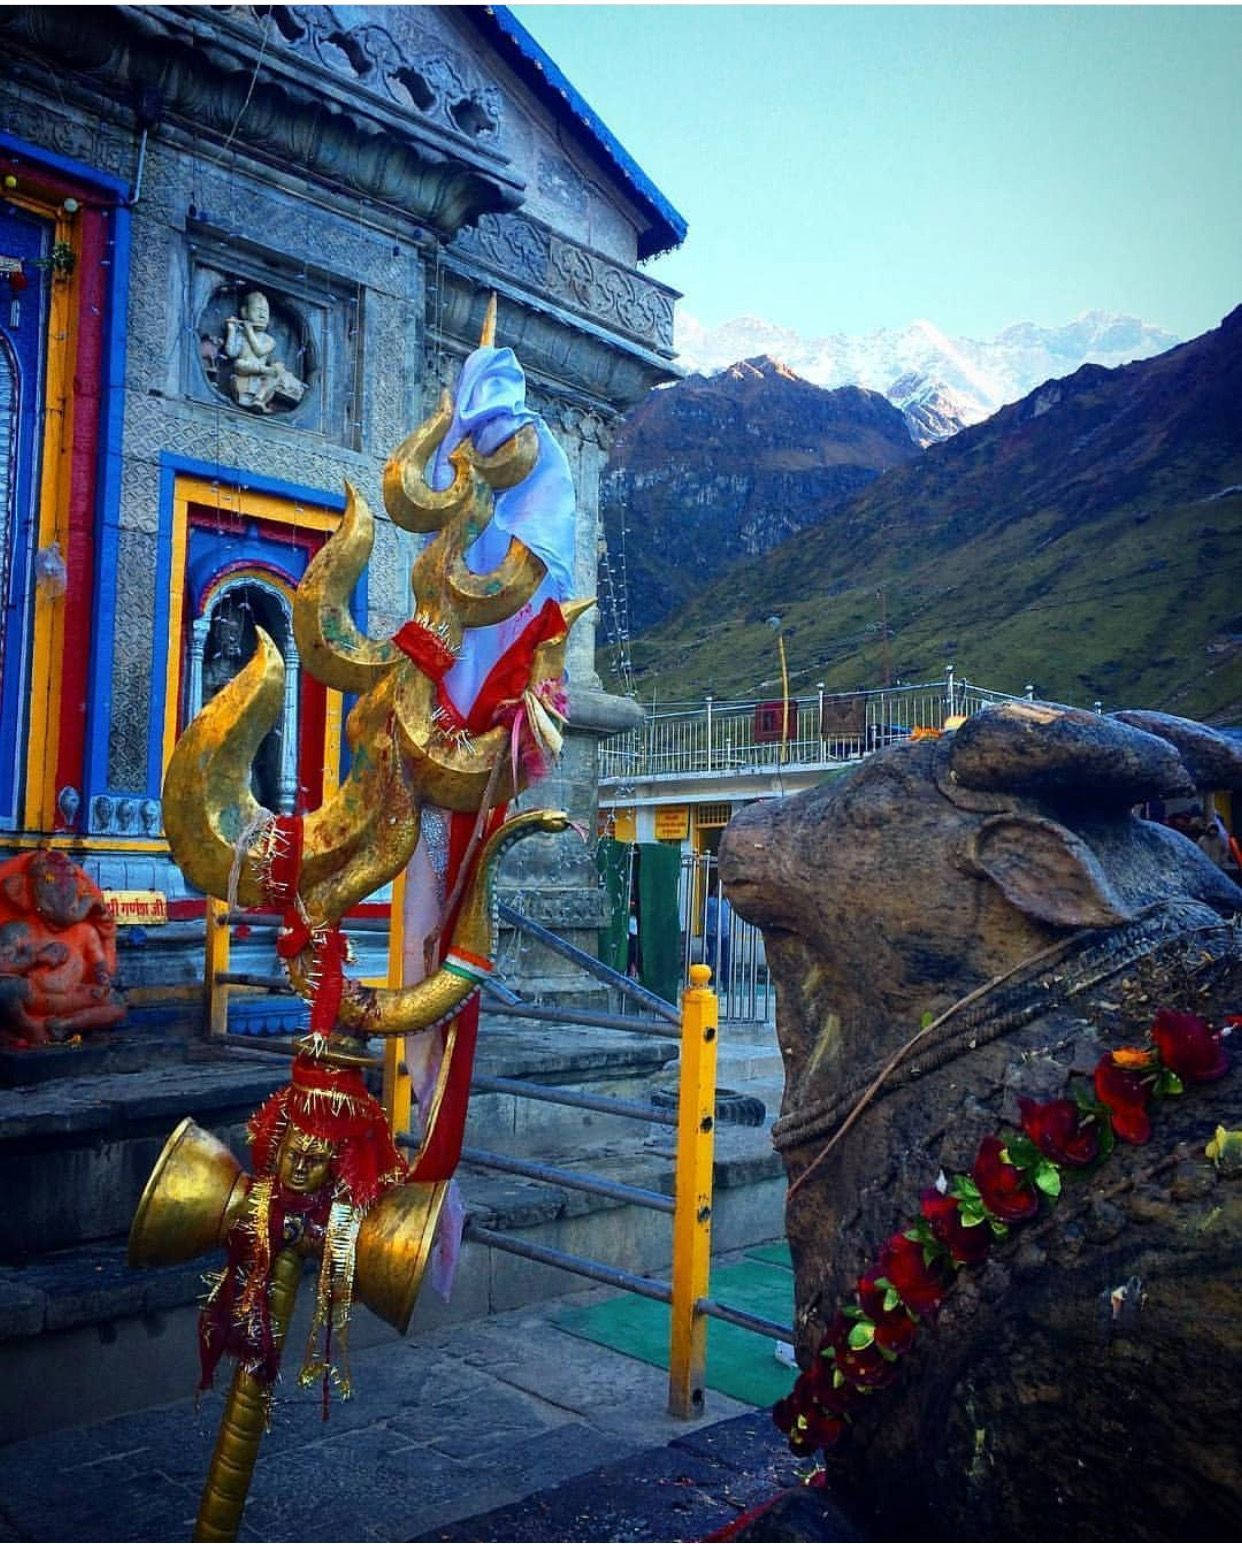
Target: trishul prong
column 408, row 497
column 330, row 644
column 207, row 799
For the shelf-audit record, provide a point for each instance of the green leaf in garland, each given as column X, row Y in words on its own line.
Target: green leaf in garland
column 1169, row 1083
column 862, row 1335
column 852, row 1311
column 1108, row 1140
column 964, row 1188
column 892, row 1298
column 838, row 1378
column 1023, row 1153
column 972, row 1214
column 926, row 1019
column 883, row 1283
column 1048, row 1178
column 999, row 1229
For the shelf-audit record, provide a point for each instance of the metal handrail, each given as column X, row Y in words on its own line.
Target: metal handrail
column 518, row 1009
column 744, row 1320
column 593, row 967
column 273, row 920
column 571, row 1179
column 593, row 1270
column 628, row 1108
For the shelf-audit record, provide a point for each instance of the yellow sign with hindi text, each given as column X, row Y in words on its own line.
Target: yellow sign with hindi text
column 137, row 908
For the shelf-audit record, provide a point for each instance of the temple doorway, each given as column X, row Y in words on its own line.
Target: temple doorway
column 223, row 641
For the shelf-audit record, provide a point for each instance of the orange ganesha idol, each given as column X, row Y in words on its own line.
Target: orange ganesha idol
column 57, row 952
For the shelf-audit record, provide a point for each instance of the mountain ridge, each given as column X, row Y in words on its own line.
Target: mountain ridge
column 1107, row 501
column 974, row 377
column 713, row 468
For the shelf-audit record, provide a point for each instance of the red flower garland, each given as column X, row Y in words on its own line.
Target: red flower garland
column 863, row 1346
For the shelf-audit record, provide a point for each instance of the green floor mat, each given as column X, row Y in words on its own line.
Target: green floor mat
column 772, row 1254
column 739, row 1363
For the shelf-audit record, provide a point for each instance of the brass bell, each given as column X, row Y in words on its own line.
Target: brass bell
column 196, row 1189
column 394, row 1246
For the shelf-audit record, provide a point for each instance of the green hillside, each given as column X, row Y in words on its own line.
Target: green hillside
column 1087, row 539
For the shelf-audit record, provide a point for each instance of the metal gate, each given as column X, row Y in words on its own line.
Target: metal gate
column 713, row 934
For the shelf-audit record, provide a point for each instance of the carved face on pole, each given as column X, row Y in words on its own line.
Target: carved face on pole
column 304, row 1162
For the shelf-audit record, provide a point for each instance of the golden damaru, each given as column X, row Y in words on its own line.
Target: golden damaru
column 371, row 1230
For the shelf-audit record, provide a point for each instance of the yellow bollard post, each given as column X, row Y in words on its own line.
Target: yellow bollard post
column 396, row 1090
column 692, row 1217
column 215, row 961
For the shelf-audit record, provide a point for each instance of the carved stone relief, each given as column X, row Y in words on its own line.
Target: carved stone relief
column 254, row 352
column 617, row 297
column 371, row 136
column 413, row 70
column 270, row 341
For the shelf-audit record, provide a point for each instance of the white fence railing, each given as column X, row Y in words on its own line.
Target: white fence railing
column 806, row 731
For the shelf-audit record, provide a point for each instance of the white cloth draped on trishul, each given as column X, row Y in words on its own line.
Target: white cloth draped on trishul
column 489, row 406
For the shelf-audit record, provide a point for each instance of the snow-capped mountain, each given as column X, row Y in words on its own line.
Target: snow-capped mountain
column 941, row 383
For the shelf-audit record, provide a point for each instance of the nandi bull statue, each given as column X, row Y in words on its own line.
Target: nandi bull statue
column 456, row 714
column 1009, row 1127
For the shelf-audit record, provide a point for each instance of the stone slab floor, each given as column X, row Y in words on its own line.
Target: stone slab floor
column 443, row 1428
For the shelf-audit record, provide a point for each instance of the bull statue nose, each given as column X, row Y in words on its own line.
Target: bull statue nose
column 747, row 870
column 741, row 852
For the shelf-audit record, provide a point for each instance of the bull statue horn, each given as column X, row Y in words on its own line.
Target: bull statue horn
column 1212, row 761
column 1064, row 755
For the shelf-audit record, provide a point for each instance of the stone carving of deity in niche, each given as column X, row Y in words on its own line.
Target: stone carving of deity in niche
column 256, row 353
column 222, row 639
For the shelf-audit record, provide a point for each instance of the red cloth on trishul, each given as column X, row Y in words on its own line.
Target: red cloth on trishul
column 506, row 681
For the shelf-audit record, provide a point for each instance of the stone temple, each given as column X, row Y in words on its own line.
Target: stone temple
column 244, row 249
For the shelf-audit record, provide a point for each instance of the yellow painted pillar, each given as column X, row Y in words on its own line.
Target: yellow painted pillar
column 692, row 1217
column 396, row 1093
column 215, row 961
column 48, row 622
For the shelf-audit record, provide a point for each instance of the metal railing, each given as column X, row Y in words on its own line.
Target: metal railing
column 713, row 934
column 820, row 729
column 690, row 1205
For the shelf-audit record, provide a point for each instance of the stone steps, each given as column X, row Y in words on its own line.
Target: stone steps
column 83, row 1336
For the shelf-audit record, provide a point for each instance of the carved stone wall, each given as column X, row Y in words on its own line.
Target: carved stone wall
column 338, row 188
column 587, row 282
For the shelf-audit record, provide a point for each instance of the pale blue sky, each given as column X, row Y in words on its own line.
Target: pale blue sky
column 849, row 168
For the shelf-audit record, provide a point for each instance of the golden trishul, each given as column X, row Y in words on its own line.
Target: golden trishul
column 402, row 759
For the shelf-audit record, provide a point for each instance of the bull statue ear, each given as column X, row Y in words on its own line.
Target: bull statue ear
column 1045, row 871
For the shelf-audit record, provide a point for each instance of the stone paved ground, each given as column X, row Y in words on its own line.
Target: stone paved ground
column 444, row 1427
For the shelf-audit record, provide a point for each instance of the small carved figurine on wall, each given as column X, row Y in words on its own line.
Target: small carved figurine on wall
column 257, row 377
column 57, row 952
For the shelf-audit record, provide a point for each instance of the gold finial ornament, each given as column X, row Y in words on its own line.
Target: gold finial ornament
column 328, row 1180
column 487, row 338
